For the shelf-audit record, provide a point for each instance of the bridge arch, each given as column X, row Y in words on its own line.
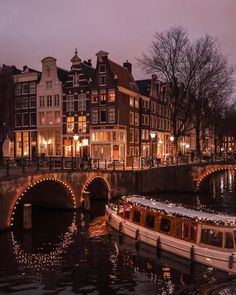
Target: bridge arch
column 211, row 170
column 104, row 185
column 36, row 182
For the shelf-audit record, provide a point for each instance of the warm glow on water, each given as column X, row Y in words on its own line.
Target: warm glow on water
column 72, row 253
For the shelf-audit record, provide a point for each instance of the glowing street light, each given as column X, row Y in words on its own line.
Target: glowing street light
column 172, row 138
column 152, row 135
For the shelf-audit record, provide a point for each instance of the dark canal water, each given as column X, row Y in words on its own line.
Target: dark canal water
column 72, row 253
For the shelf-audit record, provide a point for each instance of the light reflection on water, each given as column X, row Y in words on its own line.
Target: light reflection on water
column 69, row 253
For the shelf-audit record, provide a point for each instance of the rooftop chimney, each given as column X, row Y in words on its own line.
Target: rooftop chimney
column 128, row 66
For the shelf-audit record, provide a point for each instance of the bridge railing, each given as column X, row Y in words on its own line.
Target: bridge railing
column 22, row 165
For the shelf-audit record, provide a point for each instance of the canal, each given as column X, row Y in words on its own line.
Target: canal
column 76, row 253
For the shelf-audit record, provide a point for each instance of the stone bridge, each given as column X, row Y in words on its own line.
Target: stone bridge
column 66, row 187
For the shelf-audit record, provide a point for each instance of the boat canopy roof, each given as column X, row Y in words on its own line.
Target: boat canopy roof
column 180, row 211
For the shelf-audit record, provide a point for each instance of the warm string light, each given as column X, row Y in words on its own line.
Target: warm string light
column 86, row 185
column 175, row 214
column 212, row 170
column 69, row 189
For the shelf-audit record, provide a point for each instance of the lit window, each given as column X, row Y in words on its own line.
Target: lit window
column 41, row 118
column 137, row 102
column 49, row 118
column 103, row 96
column 131, row 101
column 131, row 134
column 94, row 96
column 82, row 125
column 136, row 119
column 70, row 124
column 57, row 117
column 112, row 95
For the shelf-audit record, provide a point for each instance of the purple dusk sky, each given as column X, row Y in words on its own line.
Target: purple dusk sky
column 31, row 30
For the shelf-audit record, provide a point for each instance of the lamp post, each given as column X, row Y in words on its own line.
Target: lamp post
column 75, row 138
column 152, row 135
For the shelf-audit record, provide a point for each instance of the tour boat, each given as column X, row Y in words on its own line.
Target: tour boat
column 205, row 237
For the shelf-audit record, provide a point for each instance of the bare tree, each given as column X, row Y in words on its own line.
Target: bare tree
column 168, row 57
column 210, row 87
column 191, row 69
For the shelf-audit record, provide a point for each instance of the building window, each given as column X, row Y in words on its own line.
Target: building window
column 41, row 101
column 32, row 88
column 82, row 125
column 94, row 96
column 25, row 103
column 26, row 119
column 18, row 120
column 48, row 84
column 103, row 115
column 70, row 125
column 111, row 115
column 82, row 102
column 32, row 119
column 25, row 88
column 56, row 100
column 131, row 134
column 136, row 134
column 75, row 79
column 111, row 95
column 103, row 96
column 94, row 119
column 49, row 118
column 32, row 102
column 18, row 89
column 18, row 144
column 136, row 150
column 131, row 151
column 58, row 142
column 49, row 100
column 136, row 119
column 41, row 118
column 70, row 103
column 102, row 80
column 18, row 103
column 26, row 143
column 131, row 118
column 102, row 69
column 131, row 101
column 57, row 117
column 137, row 102
column 143, row 134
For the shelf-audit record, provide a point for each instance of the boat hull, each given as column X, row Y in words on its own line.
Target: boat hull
column 216, row 259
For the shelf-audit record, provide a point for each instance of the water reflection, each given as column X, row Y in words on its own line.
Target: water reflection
column 69, row 253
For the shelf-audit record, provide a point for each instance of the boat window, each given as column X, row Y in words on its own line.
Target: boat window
column 185, row 231
column 193, row 232
column 165, row 225
column 179, row 229
column 136, row 217
column 212, row 237
column 150, row 220
column 127, row 214
column 229, row 243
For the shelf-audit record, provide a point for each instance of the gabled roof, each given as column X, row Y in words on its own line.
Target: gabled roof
column 88, row 71
column 144, row 86
column 125, row 79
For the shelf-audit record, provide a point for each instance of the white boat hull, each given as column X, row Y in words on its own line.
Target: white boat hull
column 217, row 259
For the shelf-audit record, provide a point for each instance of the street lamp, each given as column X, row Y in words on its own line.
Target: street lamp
column 172, row 138
column 152, row 135
column 75, row 138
